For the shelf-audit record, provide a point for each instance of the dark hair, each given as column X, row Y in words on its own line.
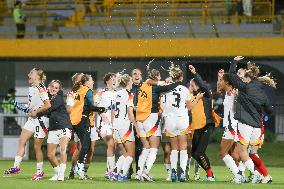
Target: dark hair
column 226, row 78
column 83, row 80
column 18, row 3
column 108, row 76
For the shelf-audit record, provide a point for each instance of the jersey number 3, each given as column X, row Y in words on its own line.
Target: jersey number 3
column 177, row 100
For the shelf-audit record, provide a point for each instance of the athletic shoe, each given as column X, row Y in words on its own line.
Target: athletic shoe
column 266, row 179
column 197, row 176
column 107, row 175
column 139, row 177
column 113, row 176
column 71, row 174
column 122, row 178
column 256, row 178
column 236, row 180
column 174, row 176
column 60, row 177
column 38, row 176
column 54, row 177
column 79, row 170
column 210, row 179
column 244, row 179
column 12, row 170
column 182, row 177
column 147, row 177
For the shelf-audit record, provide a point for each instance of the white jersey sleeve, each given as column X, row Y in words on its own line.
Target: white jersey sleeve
column 42, row 91
column 70, row 98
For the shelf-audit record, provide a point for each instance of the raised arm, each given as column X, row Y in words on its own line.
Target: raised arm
column 234, row 78
column 203, row 86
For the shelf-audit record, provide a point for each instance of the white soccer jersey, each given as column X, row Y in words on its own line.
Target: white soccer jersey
column 175, row 101
column 229, row 110
column 37, row 95
column 123, row 100
column 70, row 98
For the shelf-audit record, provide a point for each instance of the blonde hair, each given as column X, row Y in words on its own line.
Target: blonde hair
column 267, row 80
column 58, row 82
column 123, row 80
column 175, row 72
column 76, row 77
column 252, row 70
column 41, row 74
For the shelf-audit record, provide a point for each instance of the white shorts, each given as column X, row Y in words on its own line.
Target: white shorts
column 36, row 126
column 55, row 136
column 151, row 126
column 94, row 135
column 249, row 135
column 230, row 131
column 176, row 125
column 103, row 128
column 124, row 132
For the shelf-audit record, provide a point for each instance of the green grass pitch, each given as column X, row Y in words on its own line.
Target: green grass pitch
column 272, row 158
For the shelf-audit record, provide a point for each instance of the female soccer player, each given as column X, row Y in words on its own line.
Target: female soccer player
column 202, row 122
column 70, row 101
column 59, row 131
column 148, row 119
column 104, row 98
column 251, row 102
column 80, row 116
column 37, row 126
column 176, row 124
column 123, row 120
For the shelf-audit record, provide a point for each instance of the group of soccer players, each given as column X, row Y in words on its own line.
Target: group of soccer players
column 132, row 114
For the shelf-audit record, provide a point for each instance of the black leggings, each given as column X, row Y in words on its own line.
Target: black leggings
column 199, row 144
column 83, row 131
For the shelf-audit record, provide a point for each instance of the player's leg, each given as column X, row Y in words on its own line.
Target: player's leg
column 110, row 153
column 39, row 157
column 63, row 143
column 183, row 158
column 143, row 157
column 167, row 151
column 130, row 153
column 174, row 158
column 200, row 147
column 52, row 143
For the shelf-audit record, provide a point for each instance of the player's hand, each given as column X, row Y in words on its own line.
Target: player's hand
column 238, row 58
column 199, row 96
column 192, row 69
column 220, row 73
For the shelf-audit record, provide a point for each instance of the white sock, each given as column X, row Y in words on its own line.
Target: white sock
column 231, row 164
column 242, row 167
column 18, row 160
column 168, row 167
column 126, row 165
column 151, row 159
column 183, row 157
column 120, row 163
column 250, row 166
column 39, row 167
column 142, row 159
column 56, row 170
column 174, row 159
column 110, row 163
column 62, row 168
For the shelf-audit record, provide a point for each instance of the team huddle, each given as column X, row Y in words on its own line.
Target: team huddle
column 136, row 117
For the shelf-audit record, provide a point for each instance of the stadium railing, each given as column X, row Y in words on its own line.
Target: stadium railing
column 46, row 17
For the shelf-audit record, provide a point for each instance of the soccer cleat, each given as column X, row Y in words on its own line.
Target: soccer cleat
column 236, row 180
column 147, row 177
column 38, row 176
column 210, row 179
column 79, row 170
column 266, row 179
column 54, row 177
column 88, row 178
column 60, row 177
column 107, row 175
column 197, row 176
column 256, row 178
column 113, row 176
column 182, row 177
column 122, row 178
column 244, row 179
column 12, row 170
column 139, row 177
column 174, row 176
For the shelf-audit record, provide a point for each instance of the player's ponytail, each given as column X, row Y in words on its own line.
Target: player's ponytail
column 268, row 80
column 83, row 80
